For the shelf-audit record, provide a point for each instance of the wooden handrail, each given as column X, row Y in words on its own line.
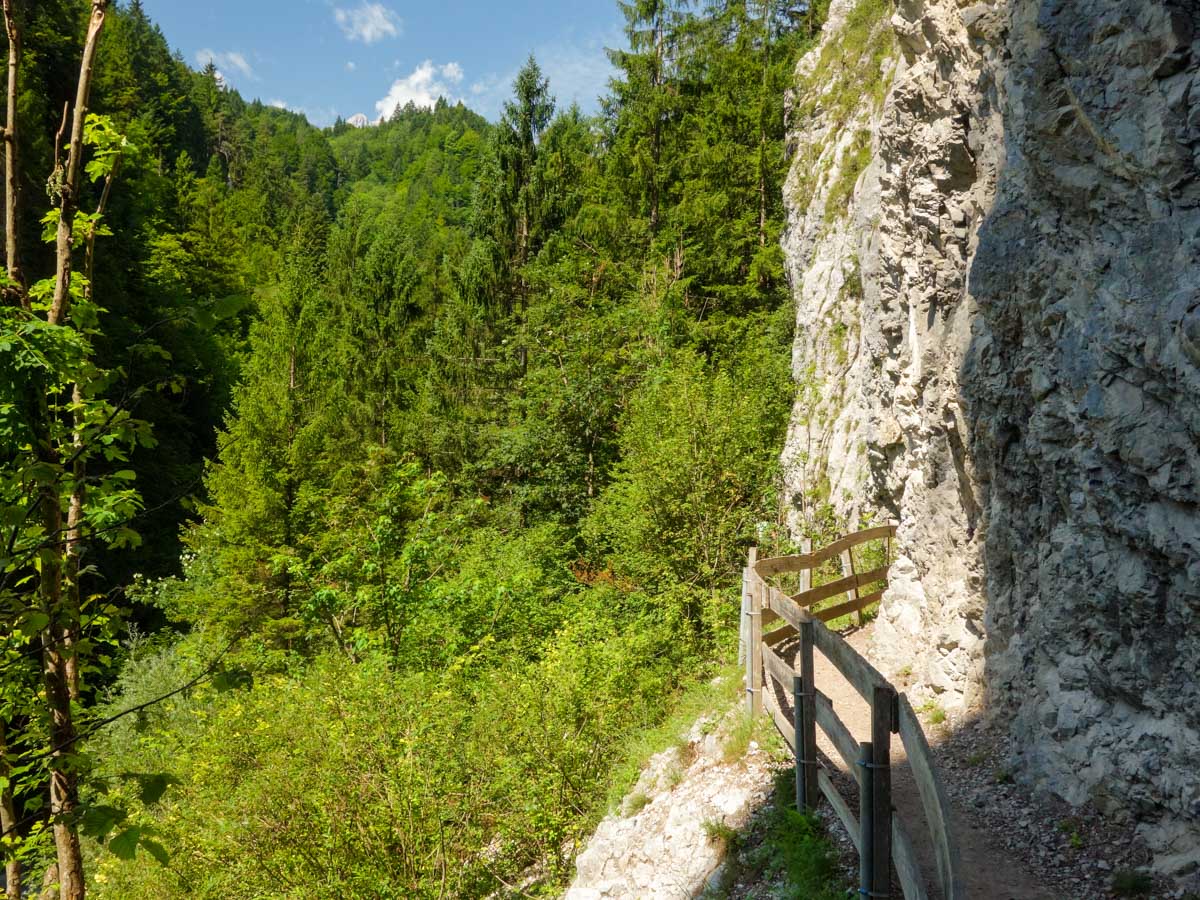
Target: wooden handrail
column 884, row 840
column 781, row 565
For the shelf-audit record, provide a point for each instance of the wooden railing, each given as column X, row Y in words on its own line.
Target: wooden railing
column 880, row 838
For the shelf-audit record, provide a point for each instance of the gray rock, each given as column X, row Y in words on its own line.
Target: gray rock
column 998, row 345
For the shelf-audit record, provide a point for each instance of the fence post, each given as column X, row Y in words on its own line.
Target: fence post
column 883, row 706
column 806, row 717
column 754, row 654
column 852, row 594
column 866, row 827
column 752, row 632
column 743, row 631
column 805, row 574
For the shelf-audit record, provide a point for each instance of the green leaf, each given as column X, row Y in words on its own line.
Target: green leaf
column 124, row 845
column 100, row 819
column 34, row 623
column 231, row 679
column 154, row 786
column 155, row 849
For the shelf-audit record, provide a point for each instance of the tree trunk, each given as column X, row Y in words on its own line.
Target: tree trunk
column 69, row 201
column 762, row 128
column 18, row 295
column 8, row 822
column 62, row 631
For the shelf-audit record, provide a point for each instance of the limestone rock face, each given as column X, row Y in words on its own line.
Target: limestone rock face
column 994, row 244
column 657, row 847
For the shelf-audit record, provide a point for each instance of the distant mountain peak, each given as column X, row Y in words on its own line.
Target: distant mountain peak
column 358, row 120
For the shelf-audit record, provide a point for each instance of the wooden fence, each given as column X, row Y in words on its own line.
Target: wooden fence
column 880, row 838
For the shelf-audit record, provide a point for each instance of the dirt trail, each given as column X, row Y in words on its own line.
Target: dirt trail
column 990, row 869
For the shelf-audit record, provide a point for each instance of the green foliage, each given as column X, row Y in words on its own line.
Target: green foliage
column 350, row 779
column 1132, row 883
column 783, row 849
column 854, row 162
column 466, row 427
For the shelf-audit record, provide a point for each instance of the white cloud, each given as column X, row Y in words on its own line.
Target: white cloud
column 368, row 22
column 578, row 68
column 278, row 104
column 226, row 61
column 422, row 87
column 350, row 66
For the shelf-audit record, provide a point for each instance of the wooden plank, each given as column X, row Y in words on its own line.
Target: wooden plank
column 779, row 565
column 787, row 608
column 832, row 612
column 784, row 727
column 853, row 667
column 839, row 735
column 908, row 869
column 777, row 668
column 840, row 586
column 769, row 616
column 779, row 635
column 934, row 801
column 840, row 806
column 882, row 707
column 829, row 613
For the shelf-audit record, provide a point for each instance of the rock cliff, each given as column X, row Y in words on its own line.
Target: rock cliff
column 994, row 246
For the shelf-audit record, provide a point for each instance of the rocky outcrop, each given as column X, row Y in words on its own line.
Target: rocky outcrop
column 665, row 842
column 994, row 243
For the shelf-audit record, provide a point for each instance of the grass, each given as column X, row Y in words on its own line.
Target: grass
column 635, row 803
column 932, row 712
column 853, row 66
column 788, row 848
column 1070, row 828
column 1132, row 883
column 978, row 758
column 855, row 160
column 719, row 832
column 711, row 697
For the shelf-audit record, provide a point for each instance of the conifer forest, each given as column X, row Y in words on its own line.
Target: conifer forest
column 366, row 492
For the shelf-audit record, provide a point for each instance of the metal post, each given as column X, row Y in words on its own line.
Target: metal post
column 883, row 706
column 866, row 829
column 798, row 716
column 806, row 743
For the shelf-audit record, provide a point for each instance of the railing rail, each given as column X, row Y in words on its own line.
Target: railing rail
column 880, row 838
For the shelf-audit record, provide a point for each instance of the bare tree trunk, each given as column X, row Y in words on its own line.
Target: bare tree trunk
column 18, row 295
column 762, row 127
column 8, row 823
column 60, row 672
column 70, row 183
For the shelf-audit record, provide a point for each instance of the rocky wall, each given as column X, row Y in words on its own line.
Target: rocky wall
column 994, row 244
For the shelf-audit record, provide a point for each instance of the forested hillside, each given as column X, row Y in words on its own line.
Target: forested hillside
column 423, row 456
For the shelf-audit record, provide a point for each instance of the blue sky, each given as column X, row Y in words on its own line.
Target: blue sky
column 340, row 57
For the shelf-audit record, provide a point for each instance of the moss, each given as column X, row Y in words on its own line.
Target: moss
column 840, row 344
column 853, row 66
column 855, row 160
